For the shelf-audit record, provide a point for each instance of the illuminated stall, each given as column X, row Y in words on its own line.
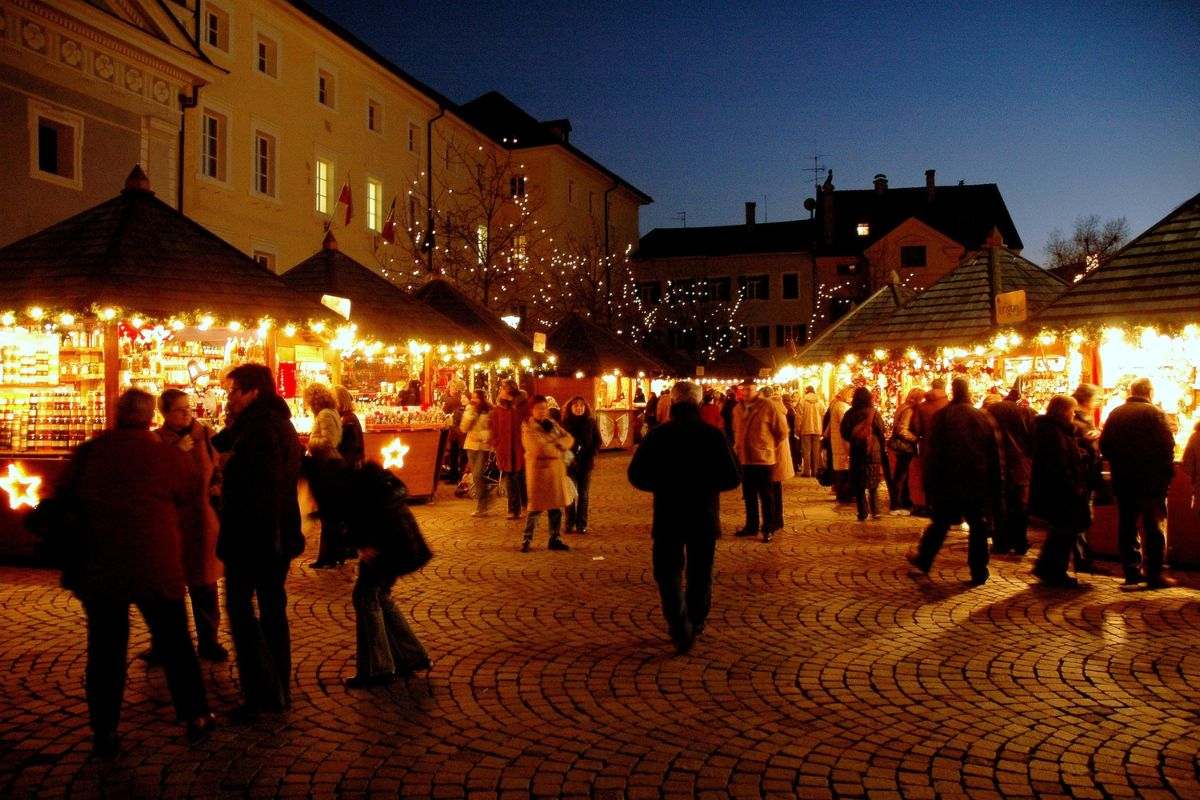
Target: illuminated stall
column 127, row 293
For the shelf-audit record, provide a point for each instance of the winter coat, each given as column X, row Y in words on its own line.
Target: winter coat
column 1191, row 465
column 352, row 446
column 586, row 433
column 260, row 510
column 902, row 426
column 1140, row 450
column 809, row 413
column 868, row 443
column 711, row 413
column 784, row 468
column 545, row 470
column 935, row 400
column 476, row 427
column 378, row 515
column 1058, row 491
column 198, row 522
column 758, row 429
column 1015, row 423
column 326, row 432
column 507, row 417
column 964, row 462
column 129, row 488
column 686, row 464
column 839, row 448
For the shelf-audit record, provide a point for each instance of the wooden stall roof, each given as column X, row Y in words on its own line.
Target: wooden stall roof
column 1153, row 279
column 580, row 344
column 480, row 322
column 379, row 307
column 135, row 252
column 839, row 339
column 957, row 310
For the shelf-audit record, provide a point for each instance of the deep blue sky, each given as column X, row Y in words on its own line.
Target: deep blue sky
column 1071, row 108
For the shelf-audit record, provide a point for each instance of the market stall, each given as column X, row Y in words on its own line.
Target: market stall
column 127, row 293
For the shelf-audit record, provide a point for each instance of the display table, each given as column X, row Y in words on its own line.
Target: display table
column 23, row 482
column 413, row 455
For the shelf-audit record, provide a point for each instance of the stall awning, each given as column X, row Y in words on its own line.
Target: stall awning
column 840, row 338
column 135, row 252
column 583, row 346
column 1153, row 279
column 381, row 309
column 482, row 324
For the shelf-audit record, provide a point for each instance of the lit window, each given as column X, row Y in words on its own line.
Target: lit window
column 264, row 163
column 267, row 61
column 55, row 146
column 863, row 229
column 326, row 95
column 516, row 185
column 374, row 205
column 519, row 249
column 265, row 259
column 324, row 174
column 481, row 242
column 412, row 138
column 374, row 116
column 216, row 28
column 213, row 132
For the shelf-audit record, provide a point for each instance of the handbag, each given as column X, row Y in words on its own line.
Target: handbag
column 902, row 446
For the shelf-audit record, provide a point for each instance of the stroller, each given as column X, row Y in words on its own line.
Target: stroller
column 491, row 479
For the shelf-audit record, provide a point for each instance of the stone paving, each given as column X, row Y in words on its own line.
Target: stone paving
column 826, row 670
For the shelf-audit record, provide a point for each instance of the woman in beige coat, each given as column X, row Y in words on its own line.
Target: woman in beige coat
column 550, row 490
column 784, row 467
column 838, row 446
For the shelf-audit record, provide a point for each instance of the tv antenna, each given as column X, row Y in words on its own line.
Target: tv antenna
column 681, row 218
column 817, row 170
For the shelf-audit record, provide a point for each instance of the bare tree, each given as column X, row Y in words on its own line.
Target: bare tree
column 702, row 316
column 1091, row 243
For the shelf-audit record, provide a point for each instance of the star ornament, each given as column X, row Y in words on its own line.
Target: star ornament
column 22, row 489
column 394, row 453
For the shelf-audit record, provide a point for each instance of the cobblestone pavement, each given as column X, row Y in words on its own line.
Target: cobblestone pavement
column 826, row 670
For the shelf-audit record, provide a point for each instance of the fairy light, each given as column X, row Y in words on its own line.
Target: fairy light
column 35, row 313
column 289, row 330
column 66, row 319
column 206, row 322
column 176, row 324
column 108, row 314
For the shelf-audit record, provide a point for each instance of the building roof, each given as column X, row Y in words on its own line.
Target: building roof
column 957, row 310
column 136, row 252
column 1153, row 279
column 722, row 240
column 966, row 214
column 839, row 339
column 582, row 345
column 380, row 308
column 511, row 126
column 480, row 322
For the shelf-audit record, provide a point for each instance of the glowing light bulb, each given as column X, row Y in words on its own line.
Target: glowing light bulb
column 36, row 313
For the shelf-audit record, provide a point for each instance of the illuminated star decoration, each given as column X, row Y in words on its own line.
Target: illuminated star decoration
column 394, row 453
column 22, row 489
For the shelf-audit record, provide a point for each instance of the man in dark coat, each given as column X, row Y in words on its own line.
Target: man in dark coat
column 686, row 464
column 1087, row 436
column 1141, row 452
column 922, row 425
column 508, row 415
column 260, row 533
column 1059, row 489
column 1015, row 423
column 962, row 480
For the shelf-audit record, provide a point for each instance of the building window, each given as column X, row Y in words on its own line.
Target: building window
column 754, row 287
column 374, row 116
column 481, row 243
column 412, row 138
column 839, row 307
column 912, row 256
column 374, row 205
column 56, row 147
column 516, row 185
column 650, row 292
column 706, row 289
column 265, row 259
column 847, row 269
column 213, row 133
column 323, row 177
column 264, row 163
column 791, row 286
column 863, row 229
column 520, row 251
column 216, row 27
column 326, row 87
column 790, row 335
column 267, row 61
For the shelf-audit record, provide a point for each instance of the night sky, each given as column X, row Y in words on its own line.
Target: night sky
column 1071, row 108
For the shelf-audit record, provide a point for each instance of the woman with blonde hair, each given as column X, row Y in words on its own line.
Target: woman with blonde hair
column 351, row 447
column 324, row 467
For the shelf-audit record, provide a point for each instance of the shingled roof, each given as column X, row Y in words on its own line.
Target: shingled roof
column 1153, row 279
column 582, row 345
column 957, row 310
column 722, row 240
column 839, row 339
column 136, row 252
column 380, row 308
column 483, row 325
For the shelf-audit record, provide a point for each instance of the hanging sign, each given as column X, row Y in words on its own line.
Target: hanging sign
column 1010, row 307
column 539, row 342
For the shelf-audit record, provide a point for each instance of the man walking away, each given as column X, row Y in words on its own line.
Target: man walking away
column 935, row 400
column 1059, row 489
column 809, row 413
column 1141, row 452
column 1015, row 423
column 686, row 464
column 260, row 534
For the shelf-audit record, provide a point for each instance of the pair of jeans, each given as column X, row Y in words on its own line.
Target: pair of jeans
column 385, row 644
column 1148, row 559
column 477, row 461
column 866, row 498
column 776, row 522
column 977, row 540
column 903, row 497
column 514, row 487
column 262, row 642
column 108, row 647
column 810, row 450
column 1056, row 552
column 206, row 613
column 555, row 516
column 756, row 494
column 1012, row 528
column 685, row 610
column 577, row 512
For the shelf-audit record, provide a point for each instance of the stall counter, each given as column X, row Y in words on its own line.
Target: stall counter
column 413, row 455
column 24, row 481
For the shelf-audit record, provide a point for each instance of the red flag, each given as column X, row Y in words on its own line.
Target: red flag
column 389, row 224
column 345, row 198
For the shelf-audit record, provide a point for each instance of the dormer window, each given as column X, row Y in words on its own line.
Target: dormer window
column 863, row 229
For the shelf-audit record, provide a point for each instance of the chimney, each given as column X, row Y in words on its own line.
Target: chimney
column 930, row 189
column 750, row 207
column 880, row 183
column 826, row 202
column 560, row 128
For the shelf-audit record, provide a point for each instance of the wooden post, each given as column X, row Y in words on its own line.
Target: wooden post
column 427, row 378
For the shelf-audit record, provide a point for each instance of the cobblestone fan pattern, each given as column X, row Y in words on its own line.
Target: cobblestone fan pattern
column 826, row 670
